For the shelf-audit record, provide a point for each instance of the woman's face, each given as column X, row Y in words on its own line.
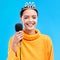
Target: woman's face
column 29, row 19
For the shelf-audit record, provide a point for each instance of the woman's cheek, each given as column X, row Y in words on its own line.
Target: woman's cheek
column 26, row 20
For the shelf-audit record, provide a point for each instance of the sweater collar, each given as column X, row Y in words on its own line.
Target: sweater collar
column 32, row 37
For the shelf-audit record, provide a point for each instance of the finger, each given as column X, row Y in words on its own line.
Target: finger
column 19, row 39
column 19, row 35
column 19, row 32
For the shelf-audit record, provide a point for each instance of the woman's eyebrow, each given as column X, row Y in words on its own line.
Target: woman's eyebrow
column 26, row 15
column 33, row 15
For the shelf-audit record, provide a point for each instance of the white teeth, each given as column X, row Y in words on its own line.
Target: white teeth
column 30, row 25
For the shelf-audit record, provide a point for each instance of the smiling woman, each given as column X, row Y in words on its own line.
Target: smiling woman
column 35, row 46
column 29, row 19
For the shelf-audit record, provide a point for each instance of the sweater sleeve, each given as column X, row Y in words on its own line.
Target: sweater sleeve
column 51, row 54
column 11, row 54
column 50, row 49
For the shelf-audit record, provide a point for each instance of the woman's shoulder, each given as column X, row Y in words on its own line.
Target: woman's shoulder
column 46, row 38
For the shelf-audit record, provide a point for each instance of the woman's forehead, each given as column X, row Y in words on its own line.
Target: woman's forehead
column 29, row 12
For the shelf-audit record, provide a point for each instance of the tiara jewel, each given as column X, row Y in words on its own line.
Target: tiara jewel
column 30, row 5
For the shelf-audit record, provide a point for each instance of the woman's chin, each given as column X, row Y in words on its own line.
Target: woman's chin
column 30, row 29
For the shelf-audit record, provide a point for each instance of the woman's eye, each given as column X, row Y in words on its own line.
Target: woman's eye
column 34, row 17
column 26, row 17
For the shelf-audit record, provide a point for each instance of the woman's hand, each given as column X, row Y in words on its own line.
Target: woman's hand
column 17, row 39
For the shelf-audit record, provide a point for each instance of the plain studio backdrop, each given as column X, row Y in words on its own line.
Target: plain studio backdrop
column 48, row 22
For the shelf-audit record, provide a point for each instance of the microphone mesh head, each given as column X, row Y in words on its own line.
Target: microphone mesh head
column 18, row 27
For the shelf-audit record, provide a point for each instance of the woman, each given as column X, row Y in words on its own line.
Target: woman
column 35, row 46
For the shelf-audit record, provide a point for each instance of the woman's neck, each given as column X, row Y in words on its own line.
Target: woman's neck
column 30, row 32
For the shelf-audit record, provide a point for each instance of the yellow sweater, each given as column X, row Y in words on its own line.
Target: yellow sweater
column 34, row 47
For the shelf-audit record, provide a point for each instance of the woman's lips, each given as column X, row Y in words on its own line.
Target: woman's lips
column 30, row 25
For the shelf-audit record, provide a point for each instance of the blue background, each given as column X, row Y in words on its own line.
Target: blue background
column 48, row 22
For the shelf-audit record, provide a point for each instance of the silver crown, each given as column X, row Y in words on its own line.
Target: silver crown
column 30, row 5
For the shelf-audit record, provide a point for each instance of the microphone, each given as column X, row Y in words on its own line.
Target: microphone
column 19, row 27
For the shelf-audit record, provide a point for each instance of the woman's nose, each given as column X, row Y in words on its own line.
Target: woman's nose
column 30, row 19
